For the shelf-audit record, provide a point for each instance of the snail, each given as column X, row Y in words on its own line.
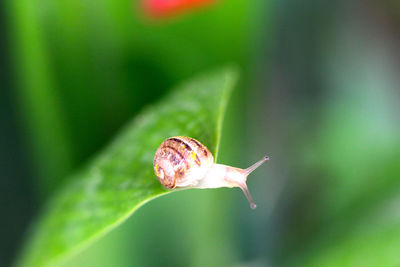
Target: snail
column 183, row 162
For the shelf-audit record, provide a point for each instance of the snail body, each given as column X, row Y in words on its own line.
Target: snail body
column 183, row 162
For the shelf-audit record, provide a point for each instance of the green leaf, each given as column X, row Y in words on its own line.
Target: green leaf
column 121, row 178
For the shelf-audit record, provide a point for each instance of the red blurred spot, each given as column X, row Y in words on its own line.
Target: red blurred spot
column 167, row 8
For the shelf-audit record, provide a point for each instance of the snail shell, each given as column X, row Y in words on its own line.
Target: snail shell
column 184, row 162
column 181, row 161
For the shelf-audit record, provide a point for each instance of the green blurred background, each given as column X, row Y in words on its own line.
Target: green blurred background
column 319, row 93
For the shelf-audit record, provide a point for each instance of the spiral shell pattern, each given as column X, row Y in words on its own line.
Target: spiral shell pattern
column 181, row 162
